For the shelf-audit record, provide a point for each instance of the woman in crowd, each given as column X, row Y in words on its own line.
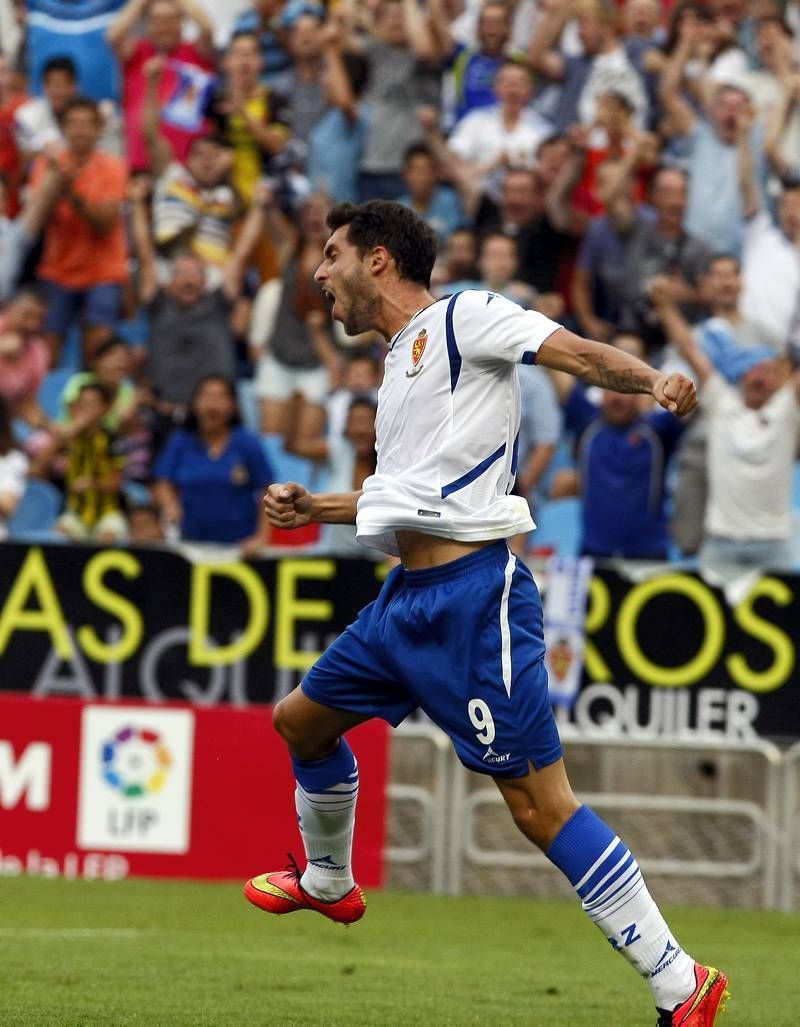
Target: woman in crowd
column 212, row 471
column 289, row 335
column 13, row 471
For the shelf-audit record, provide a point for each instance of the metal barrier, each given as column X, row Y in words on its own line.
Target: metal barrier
column 417, row 810
column 689, row 836
column 449, row 830
column 790, row 859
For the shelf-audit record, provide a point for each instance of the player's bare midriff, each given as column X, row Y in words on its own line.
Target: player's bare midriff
column 418, row 550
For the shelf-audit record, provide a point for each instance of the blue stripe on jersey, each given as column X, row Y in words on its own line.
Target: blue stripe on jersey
column 528, row 357
column 476, row 472
column 452, row 348
column 515, row 455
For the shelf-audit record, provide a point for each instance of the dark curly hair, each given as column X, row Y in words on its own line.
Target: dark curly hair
column 410, row 242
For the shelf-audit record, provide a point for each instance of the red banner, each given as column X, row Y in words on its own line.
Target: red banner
column 107, row 790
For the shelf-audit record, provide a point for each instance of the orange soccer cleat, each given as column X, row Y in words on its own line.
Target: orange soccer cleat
column 701, row 1007
column 281, row 892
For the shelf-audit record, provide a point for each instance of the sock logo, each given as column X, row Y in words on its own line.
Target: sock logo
column 630, row 936
column 670, row 953
column 325, row 863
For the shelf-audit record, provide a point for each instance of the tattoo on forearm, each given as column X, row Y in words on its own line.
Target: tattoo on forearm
column 625, row 380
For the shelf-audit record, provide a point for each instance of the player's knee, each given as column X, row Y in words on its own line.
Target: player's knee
column 284, row 723
column 530, row 822
column 293, row 727
column 541, row 824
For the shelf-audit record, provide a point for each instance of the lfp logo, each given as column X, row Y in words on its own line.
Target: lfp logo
column 136, row 779
column 136, row 762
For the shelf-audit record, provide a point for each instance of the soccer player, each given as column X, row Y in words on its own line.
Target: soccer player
column 457, row 627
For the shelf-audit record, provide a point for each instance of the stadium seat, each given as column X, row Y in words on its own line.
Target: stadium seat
column 51, row 389
column 558, row 526
column 285, row 466
column 71, row 356
column 35, row 517
column 136, row 494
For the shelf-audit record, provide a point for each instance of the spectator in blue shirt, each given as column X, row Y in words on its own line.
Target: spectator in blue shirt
column 211, row 472
column 472, row 70
column 622, row 454
column 539, row 432
column 263, row 19
column 438, row 205
column 336, row 142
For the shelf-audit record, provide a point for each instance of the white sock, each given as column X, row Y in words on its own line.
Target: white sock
column 609, row 884
column 327, row 819
column 620, row 904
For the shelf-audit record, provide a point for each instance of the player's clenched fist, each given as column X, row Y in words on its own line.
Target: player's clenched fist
column 287, row 505
column 676, row 393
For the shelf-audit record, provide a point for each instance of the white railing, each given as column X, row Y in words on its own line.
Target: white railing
column 790, row 853
column 432, row 804
column 762, row 825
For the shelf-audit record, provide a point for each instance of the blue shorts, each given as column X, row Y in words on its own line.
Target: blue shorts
column 97, row 305
column 463, row 642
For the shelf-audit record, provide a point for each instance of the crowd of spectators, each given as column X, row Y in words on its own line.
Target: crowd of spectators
column 631, row 169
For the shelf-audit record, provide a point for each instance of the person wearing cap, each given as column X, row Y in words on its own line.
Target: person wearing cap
column 752, row 417
column 735, row 469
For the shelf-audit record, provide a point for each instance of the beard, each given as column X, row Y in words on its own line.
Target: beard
column 360, row 301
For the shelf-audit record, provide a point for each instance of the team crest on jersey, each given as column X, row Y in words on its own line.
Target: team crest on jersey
column 418, row 346
column 417, row 349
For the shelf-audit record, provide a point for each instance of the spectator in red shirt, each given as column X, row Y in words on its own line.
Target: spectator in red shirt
column 10, row 160
column 613, row 135
column 84, row 261
column 163, row 27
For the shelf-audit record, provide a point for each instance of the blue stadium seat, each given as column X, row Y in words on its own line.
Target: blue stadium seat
column 71, row 357
column 51, row 389
column 137, row 494
column 35, row 517
column 558, row 524
column 285, row 466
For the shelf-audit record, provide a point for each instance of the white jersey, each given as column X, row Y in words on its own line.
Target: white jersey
column 751, row 458
column 448, row 419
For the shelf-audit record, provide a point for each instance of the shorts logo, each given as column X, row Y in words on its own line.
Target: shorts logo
column 417, row 349
column 490, row 756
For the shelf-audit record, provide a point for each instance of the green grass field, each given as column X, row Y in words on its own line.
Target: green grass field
column 139, row 952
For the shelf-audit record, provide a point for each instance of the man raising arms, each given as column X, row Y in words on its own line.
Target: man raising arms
column 457, row 627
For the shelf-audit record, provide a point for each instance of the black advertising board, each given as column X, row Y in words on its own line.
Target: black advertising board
column 665, row 656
